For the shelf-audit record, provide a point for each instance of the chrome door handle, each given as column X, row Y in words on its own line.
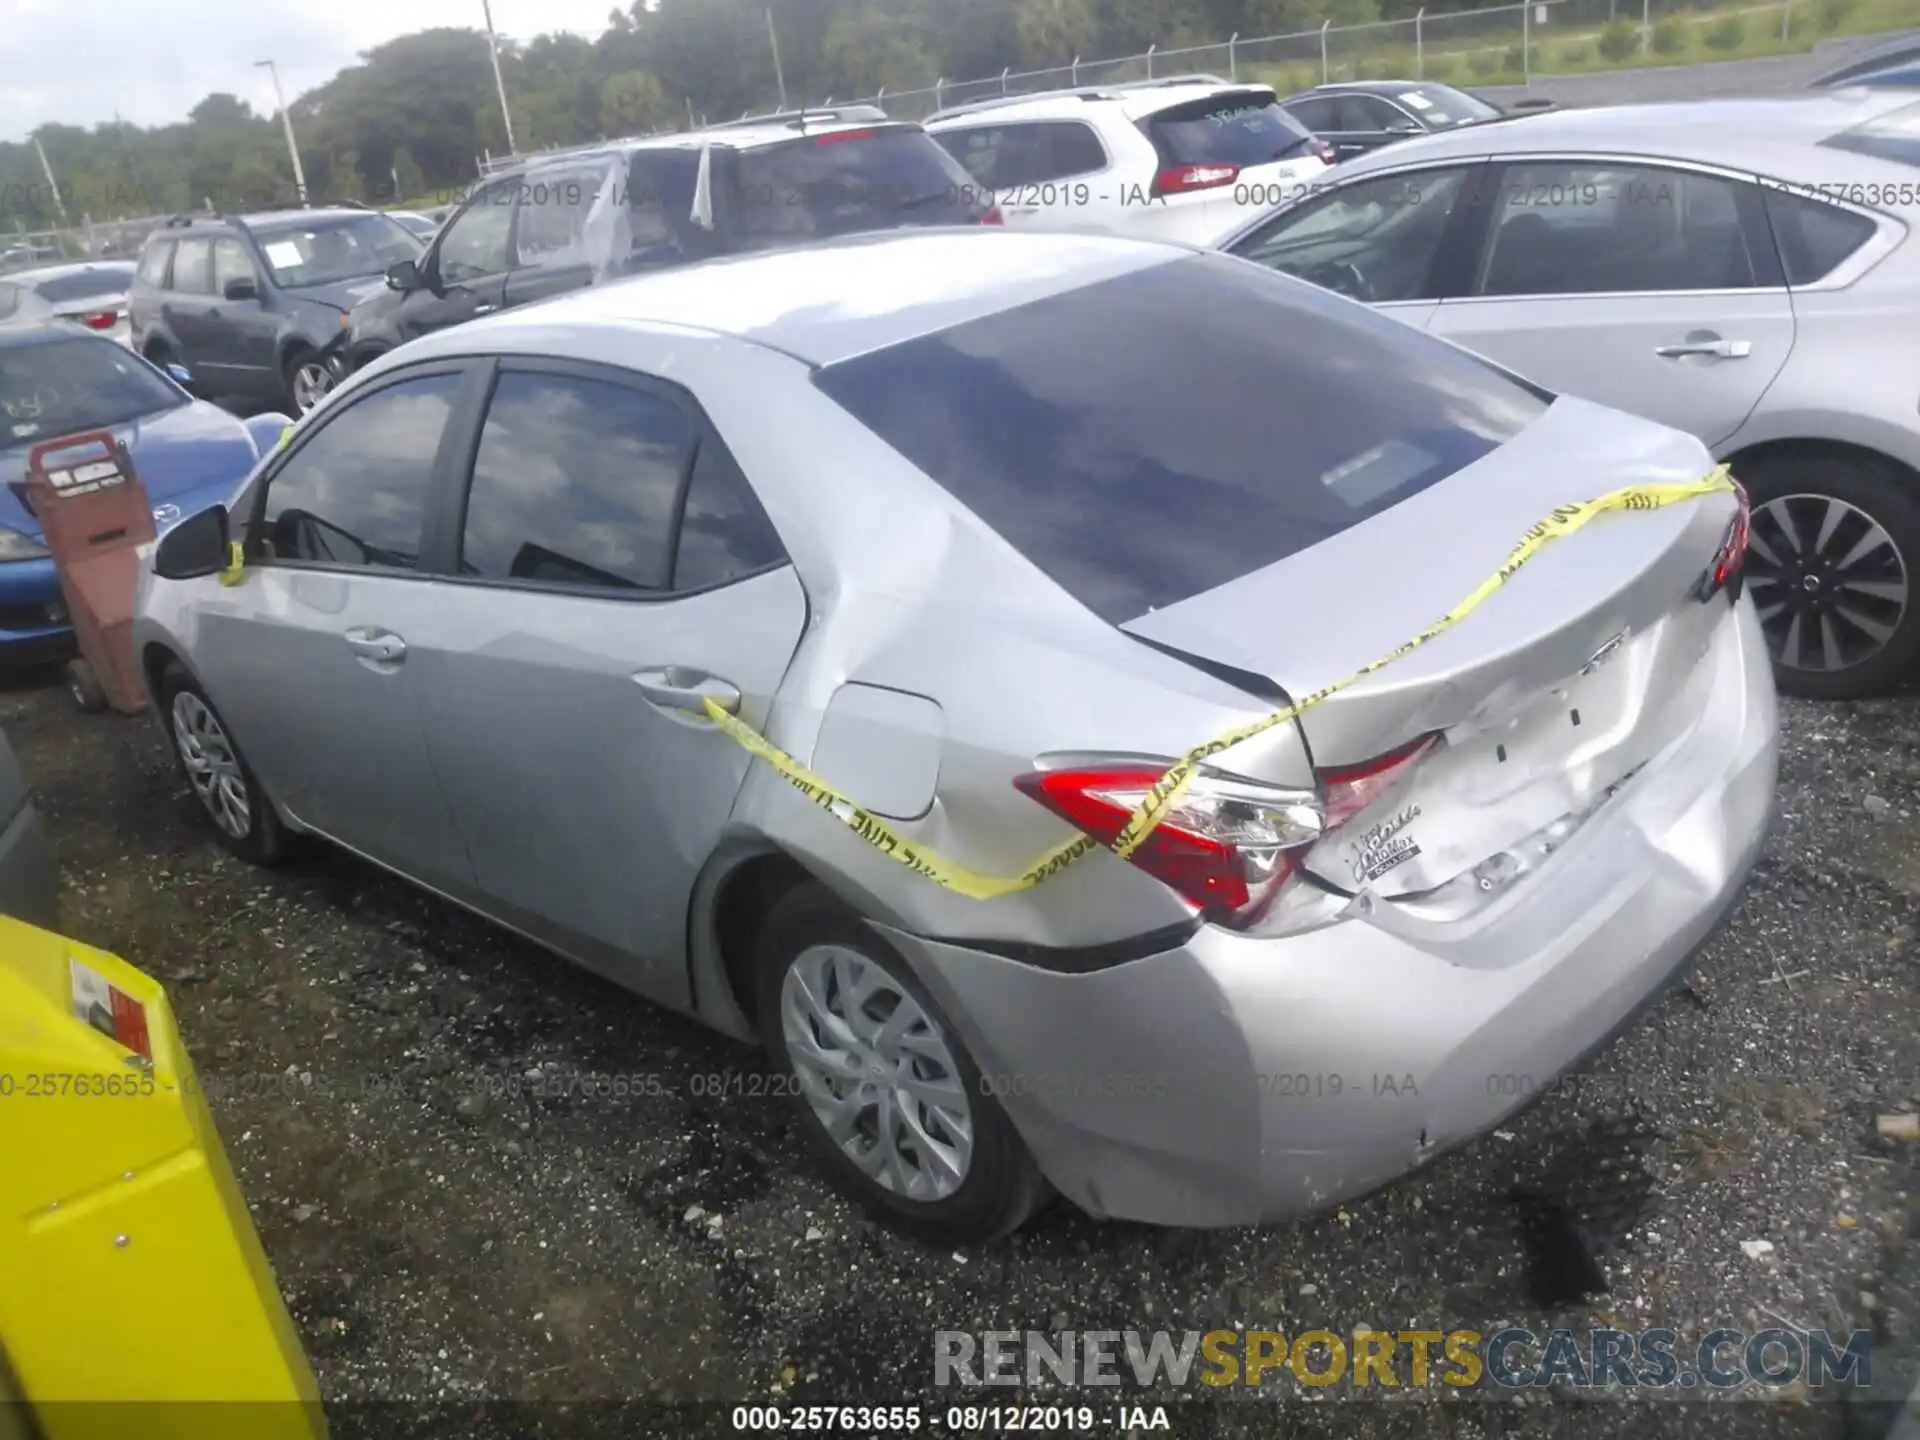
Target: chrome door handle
column 485, row 309
column 679, row 687
column 371, row 644
column 1721, row 349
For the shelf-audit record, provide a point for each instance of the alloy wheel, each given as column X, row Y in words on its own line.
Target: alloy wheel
column 212, row 765
column 311, row 382
column 877, row 1072
column 1830, row 585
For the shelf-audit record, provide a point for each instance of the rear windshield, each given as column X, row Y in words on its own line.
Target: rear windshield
column 853, row 180
column 1440, row 106
column 1893, row 136
column 1151, row 437
column 96, row 280
column 59, row 387
column 1247, row 127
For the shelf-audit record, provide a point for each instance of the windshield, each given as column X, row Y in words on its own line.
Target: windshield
column 1260, row 417
column 320, row 252
column 1245, row 128
column 60, row 387
column 1893, row 136
column 1441, row 107
column 853, row 180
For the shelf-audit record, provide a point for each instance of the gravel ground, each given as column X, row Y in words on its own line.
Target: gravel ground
column 447, row 1237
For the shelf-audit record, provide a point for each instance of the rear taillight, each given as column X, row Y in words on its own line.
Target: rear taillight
column 1350, row 789
column 1325, row 151
column 1727, row 572
column 993, row 216
column 1185, row 179
column 1225, row 847
column 102, row 320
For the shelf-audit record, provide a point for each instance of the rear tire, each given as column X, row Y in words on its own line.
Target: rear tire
column 1841, row 617
column 244, row 819
column 85, row 687
column 843, row 1018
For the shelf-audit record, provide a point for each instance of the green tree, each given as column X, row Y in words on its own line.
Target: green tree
column 632, row 103
column 1053, row 32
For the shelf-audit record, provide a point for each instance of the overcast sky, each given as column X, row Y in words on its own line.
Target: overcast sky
column 80, row 61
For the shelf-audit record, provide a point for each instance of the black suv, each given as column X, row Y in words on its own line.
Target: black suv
column 568, row 221
column 248, row 304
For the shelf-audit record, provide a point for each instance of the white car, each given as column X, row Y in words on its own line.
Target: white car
column 1185, row 158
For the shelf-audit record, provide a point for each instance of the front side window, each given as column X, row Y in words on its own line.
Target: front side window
column 1264, row 417
column 230, row 262
column 1584, row 229
column 1375, row 240
column 477, row 242
column 575, row 483
column 326, row 251
column 61, row 387
column 193, row 267
column 356, row 492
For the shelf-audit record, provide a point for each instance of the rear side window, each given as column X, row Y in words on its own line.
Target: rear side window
column 1240, row 128
column 154, row 261
column 1814, row 237
column 193, row 267
column 1034, row 153
column 575, row 483
column 854, row 180
column 660, row 189
column 1264, row 417
column 1316, row 114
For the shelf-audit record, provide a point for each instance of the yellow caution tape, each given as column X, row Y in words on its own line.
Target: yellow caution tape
column 236, row 569
column 1168, row 789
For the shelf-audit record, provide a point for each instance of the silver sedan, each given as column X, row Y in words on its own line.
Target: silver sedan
column 570, row 615
column 1740, row 269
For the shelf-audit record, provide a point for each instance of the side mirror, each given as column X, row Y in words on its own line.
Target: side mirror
column 404, row 276
column 195, row 547
column 241, row 288
column 1403, row 127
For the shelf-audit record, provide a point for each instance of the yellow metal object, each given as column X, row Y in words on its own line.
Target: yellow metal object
column 135, row 1298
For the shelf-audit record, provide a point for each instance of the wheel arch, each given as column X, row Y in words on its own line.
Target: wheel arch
column 731, row 902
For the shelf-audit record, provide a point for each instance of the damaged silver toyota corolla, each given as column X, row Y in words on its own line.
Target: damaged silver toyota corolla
column 985, row 530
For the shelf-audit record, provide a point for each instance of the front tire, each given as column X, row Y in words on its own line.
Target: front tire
column 307, row 379
column 885, row 1091
column 244, row 819
column 1831, row 565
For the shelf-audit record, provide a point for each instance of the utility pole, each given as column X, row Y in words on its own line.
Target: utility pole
column 286, row 120
column 47, row 170
column 773, row 38
column 499, row 85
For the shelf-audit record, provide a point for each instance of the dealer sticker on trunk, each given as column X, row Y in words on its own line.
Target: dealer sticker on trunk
column 1383, row 846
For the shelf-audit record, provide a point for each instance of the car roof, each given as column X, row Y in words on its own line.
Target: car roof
column 797, row 300
column 1371, row 87
column 1136, row 102
column 1774, row 135
column 741, row 135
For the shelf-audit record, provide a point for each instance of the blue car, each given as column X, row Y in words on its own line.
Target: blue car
column 57, row 381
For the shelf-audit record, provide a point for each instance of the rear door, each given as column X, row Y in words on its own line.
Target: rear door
column 311, row 656
column 1653, row 289
column 184, row 305
column 559, row 242
column 1053, row 173
column 609, row 565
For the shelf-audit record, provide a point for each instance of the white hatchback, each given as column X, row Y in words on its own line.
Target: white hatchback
column 1186, row 158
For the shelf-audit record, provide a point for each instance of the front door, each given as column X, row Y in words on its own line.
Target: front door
column 309, row 657
column 614, row 567
column 1653, row 290
column 568, row 226
column 239, row 345
column 184, row 307
column 464, row 273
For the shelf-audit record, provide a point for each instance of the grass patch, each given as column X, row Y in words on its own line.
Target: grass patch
column 1740, row 32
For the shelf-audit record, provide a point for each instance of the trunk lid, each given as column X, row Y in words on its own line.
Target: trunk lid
column 1317, row 616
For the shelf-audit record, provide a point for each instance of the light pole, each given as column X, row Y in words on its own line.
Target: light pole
column 779, row 71
column 286, row 120
column 499, row 85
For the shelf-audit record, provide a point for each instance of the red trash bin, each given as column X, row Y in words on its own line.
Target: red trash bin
column 94, row 514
